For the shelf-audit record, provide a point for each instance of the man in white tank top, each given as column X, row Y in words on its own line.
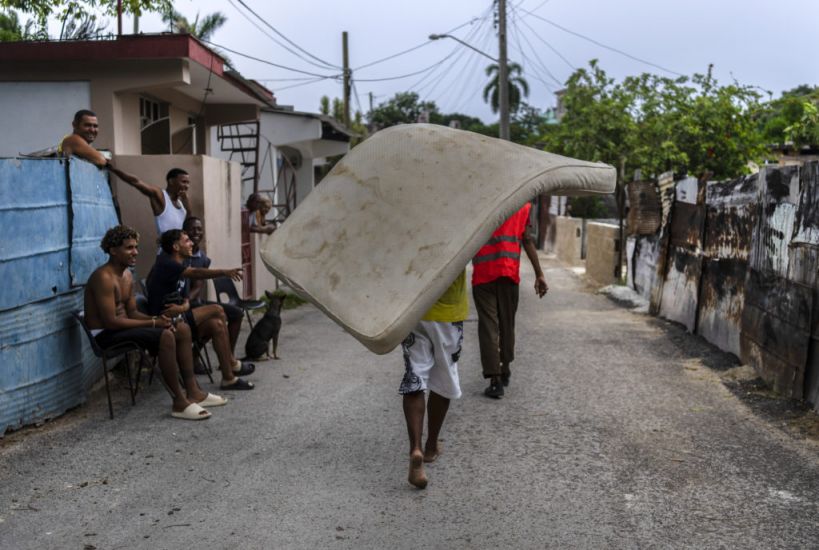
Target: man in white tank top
column 170, row 205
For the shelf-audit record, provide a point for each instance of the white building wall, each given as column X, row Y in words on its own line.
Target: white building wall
column 40, row 113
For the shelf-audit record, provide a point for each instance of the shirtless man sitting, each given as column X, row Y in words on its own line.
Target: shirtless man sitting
column 112, row 316
column 79, row 141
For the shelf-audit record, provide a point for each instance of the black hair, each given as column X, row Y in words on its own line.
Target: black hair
column 189, row 221
column 81, row 113
column 117, row 235
column 173, row 172
column 170, row 238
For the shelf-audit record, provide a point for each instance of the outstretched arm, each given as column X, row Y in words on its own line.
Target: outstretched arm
column 205, row 273
column 153, row 193
column 531, row 252
column 75, row 145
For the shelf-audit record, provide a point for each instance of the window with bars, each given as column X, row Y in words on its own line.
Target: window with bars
column 151, row 111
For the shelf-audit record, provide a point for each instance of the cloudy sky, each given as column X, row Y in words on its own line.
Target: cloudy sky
column 767, row 44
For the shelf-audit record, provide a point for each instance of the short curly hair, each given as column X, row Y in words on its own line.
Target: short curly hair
column 116, row 236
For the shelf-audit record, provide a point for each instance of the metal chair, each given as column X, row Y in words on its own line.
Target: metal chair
column 223, row 285
column 113, row 352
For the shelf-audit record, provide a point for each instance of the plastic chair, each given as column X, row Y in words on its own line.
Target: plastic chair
column 113, row 352
column 199, row 345
column 223, row 285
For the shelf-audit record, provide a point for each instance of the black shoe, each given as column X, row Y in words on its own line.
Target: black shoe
column 505, row 379
column 495, row 390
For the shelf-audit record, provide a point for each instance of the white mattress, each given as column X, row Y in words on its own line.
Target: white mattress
column 385, row 233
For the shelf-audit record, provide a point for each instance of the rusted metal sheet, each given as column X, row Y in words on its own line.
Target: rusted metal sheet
column 668, row 196
column 33, row 231
column 731, row 209
column 779, row 190
column 776, row 323
column 682, row 279
column 643, row 255
column 803, row 265
column 93, row 212
column 681, row 287
column 645, row 210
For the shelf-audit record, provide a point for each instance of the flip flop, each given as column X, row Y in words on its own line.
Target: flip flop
column 238, row 385
column 192, row 412
column 213, row 400
column 244, row 369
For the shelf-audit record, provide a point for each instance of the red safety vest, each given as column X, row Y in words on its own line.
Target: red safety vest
column 500, row 257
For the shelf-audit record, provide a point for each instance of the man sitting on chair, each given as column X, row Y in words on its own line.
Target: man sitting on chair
column 195, row 288
column 112, row 316
column 166, row 284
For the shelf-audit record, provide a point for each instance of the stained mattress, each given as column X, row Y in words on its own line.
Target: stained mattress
column 399, row 217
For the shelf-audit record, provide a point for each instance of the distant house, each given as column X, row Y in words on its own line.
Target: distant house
column 168, row 97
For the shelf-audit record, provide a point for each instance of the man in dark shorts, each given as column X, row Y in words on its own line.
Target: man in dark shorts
column 194, row 288
column 166, row 283
column 112, row 316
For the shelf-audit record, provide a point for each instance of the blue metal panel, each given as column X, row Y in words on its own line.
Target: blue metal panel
column 33, row 230
column 93, row 213
column 46, row 364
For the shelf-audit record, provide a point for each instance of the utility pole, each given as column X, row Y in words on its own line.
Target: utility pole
column 347, row 74
column 371, row 102
column 503, row 72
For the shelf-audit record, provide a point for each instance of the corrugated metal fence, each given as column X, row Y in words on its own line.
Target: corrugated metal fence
column 736, row 262
column 52, row 216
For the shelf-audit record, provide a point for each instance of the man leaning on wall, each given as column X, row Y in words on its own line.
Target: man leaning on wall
column 78, row 143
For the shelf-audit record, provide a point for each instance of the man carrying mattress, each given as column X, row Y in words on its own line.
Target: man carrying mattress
column 495, row 289
column 431, row 353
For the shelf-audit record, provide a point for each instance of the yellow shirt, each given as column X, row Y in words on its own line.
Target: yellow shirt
column 453, row 305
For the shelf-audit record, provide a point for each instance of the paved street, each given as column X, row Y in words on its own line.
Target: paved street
column 616, row 432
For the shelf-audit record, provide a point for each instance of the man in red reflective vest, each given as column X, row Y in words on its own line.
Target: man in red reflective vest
column 495, row 284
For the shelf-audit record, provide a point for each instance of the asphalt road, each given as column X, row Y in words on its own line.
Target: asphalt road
column 616, row 432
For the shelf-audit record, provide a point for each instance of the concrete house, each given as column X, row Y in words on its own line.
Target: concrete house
column 168, row 101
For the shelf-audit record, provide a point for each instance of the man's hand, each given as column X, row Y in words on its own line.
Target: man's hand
column 235, row 274
column 162, row 321
column 176, row 309
column 541, row 288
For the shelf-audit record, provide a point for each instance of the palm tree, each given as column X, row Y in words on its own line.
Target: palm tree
column 518, row 87
column 203, row 30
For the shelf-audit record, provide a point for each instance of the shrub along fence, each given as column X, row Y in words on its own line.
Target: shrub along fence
column 736, row 262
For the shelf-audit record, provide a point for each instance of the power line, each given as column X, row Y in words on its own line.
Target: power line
column 518, row 34
column 267, row 62
column 312, row 81
column 537, row 35
column 357, row 99
column 274, row 29
column 421, row 45
column 277, row 41
column 593, row 41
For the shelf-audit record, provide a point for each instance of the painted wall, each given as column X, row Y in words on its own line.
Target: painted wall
column 214, row 196
column 569, row 240
column 51, row 223
column 39, row 112
column 602, row 252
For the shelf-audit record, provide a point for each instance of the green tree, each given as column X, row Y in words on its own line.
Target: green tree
column 786, row 111
column 11, row 30
column 518, row 87
column 688, row 125
column 41, row 10
column 403, row 108
column 805, row 131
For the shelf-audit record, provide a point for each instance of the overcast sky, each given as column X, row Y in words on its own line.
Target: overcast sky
column 772, row 45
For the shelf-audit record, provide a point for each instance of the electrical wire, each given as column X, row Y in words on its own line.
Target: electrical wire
column 313, row 81
column 421, row 45
column 267, row 62
column 537, row 35
column 518, row 34
column 277, row 41
column 598, row 43
column 355, row 95
column 274, row 29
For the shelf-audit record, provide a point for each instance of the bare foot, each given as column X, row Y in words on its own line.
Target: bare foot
column 431, row 453
column 417, row 476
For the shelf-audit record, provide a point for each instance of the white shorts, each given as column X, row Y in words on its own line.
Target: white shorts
column 431, row 353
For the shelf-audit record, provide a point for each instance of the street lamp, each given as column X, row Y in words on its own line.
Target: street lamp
column 503, row 85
